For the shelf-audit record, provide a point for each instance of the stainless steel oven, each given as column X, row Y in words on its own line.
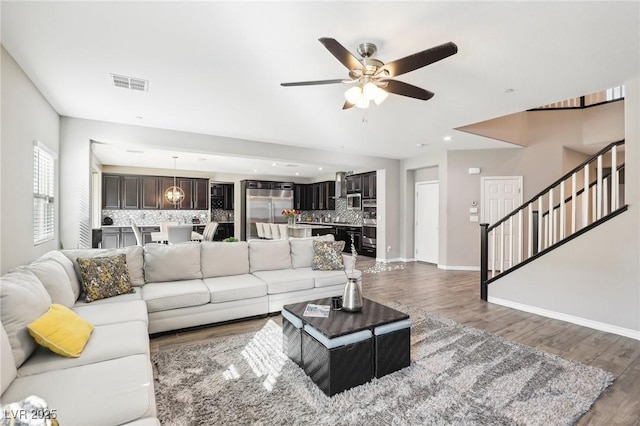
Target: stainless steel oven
column 369, row 222
column 369, row 236
column 369, row 212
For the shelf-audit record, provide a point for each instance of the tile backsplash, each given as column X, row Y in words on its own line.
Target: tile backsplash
column 154, row 217
column 340, row 214
column 219, row 215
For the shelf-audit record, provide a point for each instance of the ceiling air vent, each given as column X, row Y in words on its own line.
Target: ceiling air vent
column 130, row 83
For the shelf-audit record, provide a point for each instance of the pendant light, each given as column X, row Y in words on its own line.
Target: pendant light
column 174, row 194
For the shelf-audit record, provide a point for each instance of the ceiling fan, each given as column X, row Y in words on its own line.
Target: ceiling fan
column 373, row 78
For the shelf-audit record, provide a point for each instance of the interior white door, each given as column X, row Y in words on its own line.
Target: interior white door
column 500, row 196
column 427, row 229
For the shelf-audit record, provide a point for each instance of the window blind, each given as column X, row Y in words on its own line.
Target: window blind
column 43, row 194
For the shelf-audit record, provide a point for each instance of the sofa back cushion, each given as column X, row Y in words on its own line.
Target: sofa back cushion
column 135, row 260
column 22, row 300
column 220, row 259
column 69, row 269
column 265, row 255
column 54, row 279
column 302, row 250
column 8, row 370
column 172, row 262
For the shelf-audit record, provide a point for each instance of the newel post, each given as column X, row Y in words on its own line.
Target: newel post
column 484, row 260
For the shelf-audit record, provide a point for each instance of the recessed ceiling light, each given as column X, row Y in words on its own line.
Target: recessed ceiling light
column 420, row 145
column 447, row 138
column 274, row 164
column 297, row 174
column 319, row 168
column 202, row 159
column 255, row 170
column 139, row 117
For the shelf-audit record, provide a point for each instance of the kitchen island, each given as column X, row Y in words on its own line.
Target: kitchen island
column 301, row 230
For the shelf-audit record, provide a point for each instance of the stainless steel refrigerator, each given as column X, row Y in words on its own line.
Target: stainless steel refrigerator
column 264, row 205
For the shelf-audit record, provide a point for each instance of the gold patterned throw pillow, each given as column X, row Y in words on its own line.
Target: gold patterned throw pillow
column 327, row 255
column 104, row 277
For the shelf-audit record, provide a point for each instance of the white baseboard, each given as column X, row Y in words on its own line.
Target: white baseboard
column 609, row 328
column 395, row 259
column 458, row 268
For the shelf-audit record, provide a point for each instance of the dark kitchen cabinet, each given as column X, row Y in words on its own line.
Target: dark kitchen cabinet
column 302, row 197
column 326, row 195
column 200, row 194
column 150, row 192
column 187, row 187
column 110, row 192
column 128, row 238
column 217, row 190
column 354, row 183
column 227, row 199
column 110, row 238
column 369, row 185
column 130, row 186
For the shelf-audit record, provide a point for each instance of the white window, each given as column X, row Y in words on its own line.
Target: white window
column 43, row 194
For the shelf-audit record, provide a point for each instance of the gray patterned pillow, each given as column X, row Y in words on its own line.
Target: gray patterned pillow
column 104, row 277
column 327, row 255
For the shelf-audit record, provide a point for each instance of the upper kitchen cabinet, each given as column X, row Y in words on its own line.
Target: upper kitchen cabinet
column 300, row 199
column 150, row 191
column 222, row 196
column 110, row 192
column 369, row 185
column 227, row 199
column 147, row 192
column 354, row 183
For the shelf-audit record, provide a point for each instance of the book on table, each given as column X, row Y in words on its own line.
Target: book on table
column 313, row 310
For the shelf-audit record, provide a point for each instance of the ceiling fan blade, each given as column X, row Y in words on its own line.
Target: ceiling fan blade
column 405, row 89
column 348, row 105
column 313, row 83
column 342, row 54
column 418, row 60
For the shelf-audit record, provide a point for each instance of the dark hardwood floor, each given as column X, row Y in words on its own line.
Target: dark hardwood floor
column 455, row 295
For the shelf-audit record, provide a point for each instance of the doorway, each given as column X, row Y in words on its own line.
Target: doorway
column 427, row 226
column 500, row 195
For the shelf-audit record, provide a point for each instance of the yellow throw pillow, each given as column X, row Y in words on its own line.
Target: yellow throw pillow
column 62, row 331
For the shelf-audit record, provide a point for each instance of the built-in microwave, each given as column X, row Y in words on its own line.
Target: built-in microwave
column 354, row 202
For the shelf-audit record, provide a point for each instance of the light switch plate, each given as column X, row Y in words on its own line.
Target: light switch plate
column 473, row 210
column 473, row 218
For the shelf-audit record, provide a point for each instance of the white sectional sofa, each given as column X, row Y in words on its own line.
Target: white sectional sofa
column 175, row 286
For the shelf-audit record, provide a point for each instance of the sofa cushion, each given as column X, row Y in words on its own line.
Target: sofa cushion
column 175, row 294
column 107, row 342
column 61, row 331
column 220, row 259
column 54, row 279
column 8, row 370
column 235, row 287
column 136, row 295
column 68, row 267
column 327, row 256
column 101, row 393
column 285, row 280
column 164, row 263
column 302, row 250
column 269, row 255
column 22, row 300
column 113, row 313
column 104, row 277
column 325, row 278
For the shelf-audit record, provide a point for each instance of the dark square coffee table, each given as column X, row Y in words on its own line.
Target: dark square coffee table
column 336, row 367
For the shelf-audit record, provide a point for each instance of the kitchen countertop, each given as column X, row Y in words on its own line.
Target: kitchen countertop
column 330, row 224
column 155, row 226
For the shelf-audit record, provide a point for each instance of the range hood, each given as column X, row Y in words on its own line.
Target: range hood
column 341, row 185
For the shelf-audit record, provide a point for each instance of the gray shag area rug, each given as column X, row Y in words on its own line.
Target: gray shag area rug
column 458, row 376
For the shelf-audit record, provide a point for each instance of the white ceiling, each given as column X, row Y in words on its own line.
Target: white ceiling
column 216, row 67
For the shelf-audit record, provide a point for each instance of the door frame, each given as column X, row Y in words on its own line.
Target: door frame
column 483, row 179
column 415, row 217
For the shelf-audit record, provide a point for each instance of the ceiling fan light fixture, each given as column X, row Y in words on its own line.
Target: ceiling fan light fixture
column 362, row 102
column 381, row 95
column 353, row 94
column 370, row 90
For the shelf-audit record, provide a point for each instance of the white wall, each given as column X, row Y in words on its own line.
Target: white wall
column 26, row 117
column 595, row 278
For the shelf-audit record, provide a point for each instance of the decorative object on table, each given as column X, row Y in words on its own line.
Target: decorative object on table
column 195, row 220
column 352, row 295
column 290, row 214
column 107, row 221
column 230, row 240
column 449, row 382
column 336, row 303
column 382, row 267
column 174, row 194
